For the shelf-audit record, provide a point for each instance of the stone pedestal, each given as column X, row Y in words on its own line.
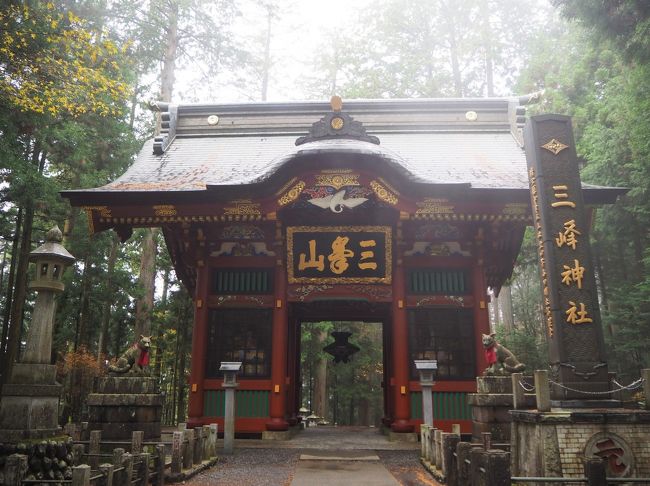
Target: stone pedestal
column 120, row 405
column 556, row 443
column 491, row 407
column 30, row 403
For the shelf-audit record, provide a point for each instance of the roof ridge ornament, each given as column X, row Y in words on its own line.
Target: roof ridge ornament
column 337, row 125
column 168, row 117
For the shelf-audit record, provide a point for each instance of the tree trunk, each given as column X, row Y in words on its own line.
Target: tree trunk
column 505, row 298
column 267, row 52
column 81, row 337
column 160, row 328
column 487, row 45
column 11, row 280
column 450, row 23
column 147, row 281
column 102, row 346
column 320, row 375
column 20, row 290
column 180, row 377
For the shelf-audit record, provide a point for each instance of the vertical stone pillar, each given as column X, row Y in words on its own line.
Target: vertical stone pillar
column 177, row 452
column 279, row 352
column 199, row 339
column 402, row 411
column 39, row 336
column 229, row 422
column 571, row 310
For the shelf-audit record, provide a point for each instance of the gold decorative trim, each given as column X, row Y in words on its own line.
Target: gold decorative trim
column 387, row 185
column 242, row 207
column 433, row 206
column 103, row 211
column 164, row 210
column 554, row 146
column 89, row 218
column 336, row 171
column 534, row 191
column 383, row 193
column 292, row 194
column 387, row 230
column 337, row 180
column 515, row 209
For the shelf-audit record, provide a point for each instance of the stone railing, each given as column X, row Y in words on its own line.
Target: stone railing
column 135, row 463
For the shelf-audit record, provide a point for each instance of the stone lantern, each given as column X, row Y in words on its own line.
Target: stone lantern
column 230, row 370
column 30, row 400
column 426, row 367
column 51, row 260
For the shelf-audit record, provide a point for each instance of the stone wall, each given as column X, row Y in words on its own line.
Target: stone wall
column 556, row 443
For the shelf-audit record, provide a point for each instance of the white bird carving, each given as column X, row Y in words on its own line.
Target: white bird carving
column 336, row 202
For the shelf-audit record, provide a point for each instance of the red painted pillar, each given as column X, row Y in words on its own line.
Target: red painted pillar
column 279, row 353
column 402, row 410
column 481, row 316
column 199, row 339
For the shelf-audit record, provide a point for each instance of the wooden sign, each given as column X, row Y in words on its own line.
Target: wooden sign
column 339, row 254
column 570, row 299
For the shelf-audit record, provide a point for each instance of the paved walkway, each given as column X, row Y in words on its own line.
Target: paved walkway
column 327, row 456
column 341, row 467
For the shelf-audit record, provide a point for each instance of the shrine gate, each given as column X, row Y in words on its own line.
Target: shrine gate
column 402, row 212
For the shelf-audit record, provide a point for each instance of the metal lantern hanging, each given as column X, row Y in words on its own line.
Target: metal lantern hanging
column 341, row 349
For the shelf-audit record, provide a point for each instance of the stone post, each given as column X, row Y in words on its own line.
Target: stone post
column 143, row 469
column 127, row 462
column 463, row 451
column 198, row 445
column 542, row 391
column 449, row 462
column 518, row 396
column 645, row 374
column 449, row 443
column 107, row 471
column 94, row 448
column 177, row 452
column 160, row 465
column 497, row 471
column 137, row 437
column 15, row 469
column 230, row 370
column 438, row 446
column 81, row 475
column 424, row 440
column 117, row 461
column 214, row 433
column 188, row 448
column 206, row 442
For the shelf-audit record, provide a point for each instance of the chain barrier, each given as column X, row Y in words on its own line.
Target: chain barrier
column 527, row 387
column 631, row 386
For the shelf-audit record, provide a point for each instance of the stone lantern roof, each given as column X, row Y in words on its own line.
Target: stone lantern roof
column 52, row 248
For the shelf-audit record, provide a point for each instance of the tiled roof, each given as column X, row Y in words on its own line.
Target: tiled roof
column 429, row 141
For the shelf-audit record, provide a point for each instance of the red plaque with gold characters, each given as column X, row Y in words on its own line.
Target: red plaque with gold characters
column 339, row 254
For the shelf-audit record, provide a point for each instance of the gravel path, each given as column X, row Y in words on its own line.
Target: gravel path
column 275, row 467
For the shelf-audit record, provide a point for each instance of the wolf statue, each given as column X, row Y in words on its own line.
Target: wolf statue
column 134, row 360
column 500, row 359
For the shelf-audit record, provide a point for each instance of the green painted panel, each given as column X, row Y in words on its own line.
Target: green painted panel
column 438, row 282
column 446, row 406
column 248, row 403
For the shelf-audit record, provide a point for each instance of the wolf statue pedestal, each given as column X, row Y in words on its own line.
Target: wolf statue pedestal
column 120, row 405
